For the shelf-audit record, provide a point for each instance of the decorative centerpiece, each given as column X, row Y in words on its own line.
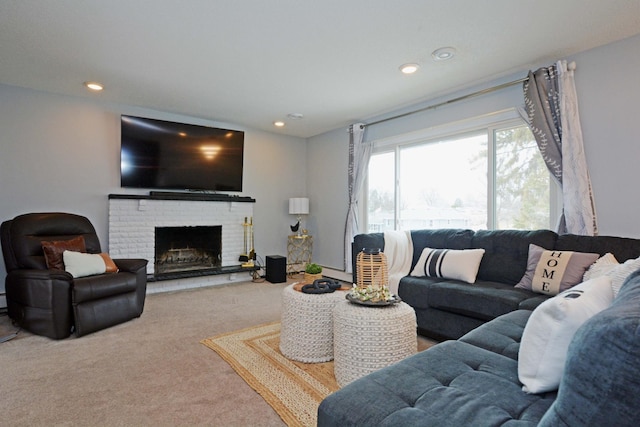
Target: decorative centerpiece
column 374, row 294
column 372, row 287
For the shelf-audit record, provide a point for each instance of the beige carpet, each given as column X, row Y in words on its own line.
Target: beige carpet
column 151, row 371
column 293, row 389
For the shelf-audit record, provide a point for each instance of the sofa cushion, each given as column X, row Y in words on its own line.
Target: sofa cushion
column 415, row 290
column 505, row 259
column 610, row 341
column 425, row 388
column 533, row 302
column 92, row 288
column 444, row 238
column 501, row 335
column 368, row 241
column 444, row 325
column 482, row 300
column 449, row 264
column 622, row 248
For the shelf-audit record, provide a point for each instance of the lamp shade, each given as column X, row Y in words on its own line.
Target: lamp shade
column 299, row 206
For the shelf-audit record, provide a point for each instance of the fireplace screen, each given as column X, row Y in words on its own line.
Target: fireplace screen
column 187, row 248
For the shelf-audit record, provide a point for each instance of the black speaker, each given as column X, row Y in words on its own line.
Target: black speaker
column 276, row 268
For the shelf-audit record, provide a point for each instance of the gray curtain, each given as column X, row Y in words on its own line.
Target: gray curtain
column 552, row 112
column 359, row 155
column 542, row 103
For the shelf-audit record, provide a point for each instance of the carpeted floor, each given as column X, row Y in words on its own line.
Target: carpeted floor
column 150, row 371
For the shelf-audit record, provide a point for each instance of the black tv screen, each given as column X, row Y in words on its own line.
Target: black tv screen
column 158, row 154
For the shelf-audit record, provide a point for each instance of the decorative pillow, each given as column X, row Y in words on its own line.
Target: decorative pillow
column 604, row 264
column 550, row 329
column 551, row 272
column 110, row 266
column 81, row 264
column 619, row 273
column 449, row 264
column 53, row 251
column 608, row 265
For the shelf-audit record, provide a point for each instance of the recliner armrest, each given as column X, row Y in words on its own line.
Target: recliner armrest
column 35, row 274
column 131, row 265
column 40, row 301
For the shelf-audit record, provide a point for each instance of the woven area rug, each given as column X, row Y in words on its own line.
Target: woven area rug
column 293, row 389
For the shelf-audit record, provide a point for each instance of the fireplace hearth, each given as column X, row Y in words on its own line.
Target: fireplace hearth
column 187, row 249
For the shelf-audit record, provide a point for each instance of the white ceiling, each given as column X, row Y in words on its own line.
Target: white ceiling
column 251, row 62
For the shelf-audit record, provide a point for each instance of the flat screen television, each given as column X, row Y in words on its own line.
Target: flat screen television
column 158, row 154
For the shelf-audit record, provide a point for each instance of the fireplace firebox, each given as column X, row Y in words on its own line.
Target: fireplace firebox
column 185, row 249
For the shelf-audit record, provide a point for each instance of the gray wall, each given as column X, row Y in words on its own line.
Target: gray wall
column 606, row 83
column 328, row 156
column 608, row 94
column 60, row 153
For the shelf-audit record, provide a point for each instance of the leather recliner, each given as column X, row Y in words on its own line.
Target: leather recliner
column 52, row 302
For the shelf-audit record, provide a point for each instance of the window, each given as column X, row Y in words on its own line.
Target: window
column 492, row 177
column 522, row 181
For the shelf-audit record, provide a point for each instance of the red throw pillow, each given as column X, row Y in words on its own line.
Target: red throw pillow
column 110, row 266
column 53, row 251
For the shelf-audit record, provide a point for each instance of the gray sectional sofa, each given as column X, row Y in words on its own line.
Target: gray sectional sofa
column 472, row 379
column 448, row 309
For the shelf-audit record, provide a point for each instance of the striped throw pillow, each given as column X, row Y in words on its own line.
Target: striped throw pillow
column 449, row 264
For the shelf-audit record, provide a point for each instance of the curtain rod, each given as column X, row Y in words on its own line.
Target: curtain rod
column 460, row 98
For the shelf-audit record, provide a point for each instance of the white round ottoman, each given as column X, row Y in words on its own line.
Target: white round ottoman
column 366, row 339
column 306, row 331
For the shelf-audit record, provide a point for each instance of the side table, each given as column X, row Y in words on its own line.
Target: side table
column 366, row 339
column 306, row 331
column 299, row 250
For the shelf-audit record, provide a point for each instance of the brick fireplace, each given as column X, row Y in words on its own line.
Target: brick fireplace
column 133, row 221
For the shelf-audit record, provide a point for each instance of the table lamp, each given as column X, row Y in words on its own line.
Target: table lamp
column 298, row 206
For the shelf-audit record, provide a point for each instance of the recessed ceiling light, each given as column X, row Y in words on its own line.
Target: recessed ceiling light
column 409, row 68
column 95, row 86
column 279, row 124
column 443, row 54
column 295, row 116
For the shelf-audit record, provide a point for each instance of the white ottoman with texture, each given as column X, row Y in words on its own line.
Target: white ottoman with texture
column 366, row 339
column 306, row 331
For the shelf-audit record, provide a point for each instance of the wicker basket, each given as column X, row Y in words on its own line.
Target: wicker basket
column 371, row 266
column 309, row 278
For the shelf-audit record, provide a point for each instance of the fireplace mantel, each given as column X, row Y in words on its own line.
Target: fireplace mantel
column 198, row 197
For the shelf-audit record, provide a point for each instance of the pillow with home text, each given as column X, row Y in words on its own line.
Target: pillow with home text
column 551, row 272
